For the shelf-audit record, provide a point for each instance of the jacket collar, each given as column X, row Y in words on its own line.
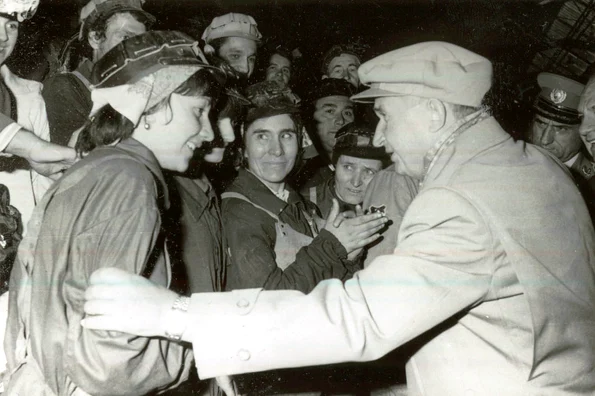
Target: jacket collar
column 583, row 166
column 85, row 68
column 145, row 156
column 473, row 137
column 251, row 187
column 330, row 185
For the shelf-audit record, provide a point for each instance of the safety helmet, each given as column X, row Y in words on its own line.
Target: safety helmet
column 96, row 9
column 232, row 25
column 18, row 10
column 141, row 55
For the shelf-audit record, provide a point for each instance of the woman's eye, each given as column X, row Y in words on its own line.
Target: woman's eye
column 13, row 26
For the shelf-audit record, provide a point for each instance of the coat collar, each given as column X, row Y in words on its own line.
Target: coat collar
column 462, row 145
column 330, row 187
column 251, row 187
column 141, row 153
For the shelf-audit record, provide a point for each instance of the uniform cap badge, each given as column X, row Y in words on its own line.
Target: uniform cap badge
column 558, row 95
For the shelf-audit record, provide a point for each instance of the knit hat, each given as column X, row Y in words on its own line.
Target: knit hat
column 356, row 140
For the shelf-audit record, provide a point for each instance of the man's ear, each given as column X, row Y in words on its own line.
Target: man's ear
column 438, row 114
column 94, row 40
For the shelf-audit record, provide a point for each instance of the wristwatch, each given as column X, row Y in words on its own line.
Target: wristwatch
column 177, row 319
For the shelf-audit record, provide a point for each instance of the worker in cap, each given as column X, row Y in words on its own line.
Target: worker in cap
column 23, row 121
column 356, row 161
column 492, row 273
column 342, row 62
column 23, row 132
column 233, row 37
column 327, row 110
column 103, row 25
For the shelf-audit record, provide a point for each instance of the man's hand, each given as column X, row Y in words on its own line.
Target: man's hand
column 121, row 301
column 354, row 231
column 45, row 158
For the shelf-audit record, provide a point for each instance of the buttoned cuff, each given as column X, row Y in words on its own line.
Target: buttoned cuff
column 214, row 331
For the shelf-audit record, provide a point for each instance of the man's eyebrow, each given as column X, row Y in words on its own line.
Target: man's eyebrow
column 334, row 106
column 261, row 130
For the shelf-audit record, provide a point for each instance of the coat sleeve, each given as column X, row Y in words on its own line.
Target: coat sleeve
column 441, row 266
column 251, row 240
column 112, row 363
column 67, row 109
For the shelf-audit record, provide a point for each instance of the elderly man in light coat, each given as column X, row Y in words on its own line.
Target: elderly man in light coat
column 493, row 268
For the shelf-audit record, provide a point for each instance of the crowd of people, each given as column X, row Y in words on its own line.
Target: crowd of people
column 173, row 229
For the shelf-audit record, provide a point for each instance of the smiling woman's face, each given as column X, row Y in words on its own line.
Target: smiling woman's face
column 271, row 148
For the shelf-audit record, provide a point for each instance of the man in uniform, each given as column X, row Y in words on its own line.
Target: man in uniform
column 493, row 272
column 555, row 127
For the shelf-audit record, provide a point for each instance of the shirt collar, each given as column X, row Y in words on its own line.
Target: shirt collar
column 571, row 161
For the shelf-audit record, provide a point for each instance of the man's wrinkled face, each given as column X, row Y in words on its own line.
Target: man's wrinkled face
column 9, row 32
column 562, row 140
column 404, row 131
column 279, row 70
column 344, row 67
column 587, row 108
column 120, row 27
column 331, row 114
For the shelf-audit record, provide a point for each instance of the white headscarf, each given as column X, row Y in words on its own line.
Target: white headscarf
column 132, row 100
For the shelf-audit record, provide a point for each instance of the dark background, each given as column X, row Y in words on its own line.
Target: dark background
column 507, row 32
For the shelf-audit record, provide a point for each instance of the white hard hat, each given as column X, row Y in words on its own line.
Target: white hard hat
column 19, row 10
column 232, row 25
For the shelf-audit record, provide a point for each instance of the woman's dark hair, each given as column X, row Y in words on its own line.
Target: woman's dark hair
column 108, row 126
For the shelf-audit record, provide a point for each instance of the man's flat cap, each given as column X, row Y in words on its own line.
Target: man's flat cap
column 431, row 69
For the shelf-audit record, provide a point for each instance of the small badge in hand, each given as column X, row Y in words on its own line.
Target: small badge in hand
column 378, row 209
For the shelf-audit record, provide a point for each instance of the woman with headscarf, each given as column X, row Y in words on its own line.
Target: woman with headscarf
column 151, row 103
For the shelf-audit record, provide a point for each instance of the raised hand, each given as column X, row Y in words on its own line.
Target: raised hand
column 45, row 158
column 352, row 230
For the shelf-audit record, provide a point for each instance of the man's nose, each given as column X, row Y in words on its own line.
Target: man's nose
column 378, row 137
column 547, row 137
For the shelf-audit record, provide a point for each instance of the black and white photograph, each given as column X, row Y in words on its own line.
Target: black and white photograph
column 297, row 197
